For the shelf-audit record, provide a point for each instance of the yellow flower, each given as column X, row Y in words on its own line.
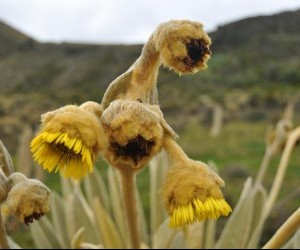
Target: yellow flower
column 69, row 140
column 61, row 152
column 192, row 191
column 198, row 210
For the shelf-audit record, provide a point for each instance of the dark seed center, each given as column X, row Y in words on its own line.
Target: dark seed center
column 32, row 217
column 63, row 150
column 196, row 49
column 136, row 148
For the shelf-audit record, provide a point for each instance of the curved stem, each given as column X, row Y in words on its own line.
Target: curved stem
column 3, row 239
column 139, row 81
column 175, row 152
column 294, row 136
column 284, row 232
column 144, row 74
column 271, row 149
column 130, row 205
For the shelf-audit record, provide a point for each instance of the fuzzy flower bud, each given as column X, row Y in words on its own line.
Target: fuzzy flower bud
column 135, row 132
column 28, row 199
column 183, row 45
column 70, row 139
column 192, row 191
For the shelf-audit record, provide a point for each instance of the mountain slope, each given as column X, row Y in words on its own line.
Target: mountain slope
column 243, row 32
column 256, row 58
column 11, row 39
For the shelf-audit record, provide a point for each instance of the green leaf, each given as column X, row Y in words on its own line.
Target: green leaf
column 95, row 186
column 238, row 227
column 210, row 234
column 66, row 186
column 57, row 205
column 178, row 241
column 40, row 236
column 260, row 197
column 79, row 214
column 194, row 236
column 163, row 236
column 109, row 232
column 6, row 162
column 12, row 243
column 77, row 239
column 157, row 168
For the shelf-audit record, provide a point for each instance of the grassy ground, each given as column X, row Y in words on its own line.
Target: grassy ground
column 237, row 153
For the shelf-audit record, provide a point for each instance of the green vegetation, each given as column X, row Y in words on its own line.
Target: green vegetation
column 253, row 73
column 237, row 153
column 257, row 58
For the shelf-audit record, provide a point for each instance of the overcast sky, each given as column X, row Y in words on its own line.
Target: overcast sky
column 124, row 21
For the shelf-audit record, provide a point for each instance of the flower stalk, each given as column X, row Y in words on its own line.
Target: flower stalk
column 284, row 232
column 291, row 142
column 130, row 205
column 281, row 133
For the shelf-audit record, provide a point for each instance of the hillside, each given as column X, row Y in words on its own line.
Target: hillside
column 254, row 69
column 12, row 39
column 256, row 29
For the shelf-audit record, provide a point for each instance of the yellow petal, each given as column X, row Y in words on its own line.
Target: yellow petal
column 77, row 147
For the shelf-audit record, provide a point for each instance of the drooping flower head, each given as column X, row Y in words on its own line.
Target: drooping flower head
column 183, row 45
column 192, row 192
column 135, row 133
column 180, row 45
column 28, row 199
column 70, row 139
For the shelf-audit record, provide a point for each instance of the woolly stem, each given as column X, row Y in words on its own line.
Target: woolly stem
column 3, row 239
column 284, row 232
column 139, row 81
column 144, row 74
column 292, row 139
column 147, row 65
column 130, row 205
column 175, row 152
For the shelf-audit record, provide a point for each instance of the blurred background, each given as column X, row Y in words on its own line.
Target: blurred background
column 54, row 53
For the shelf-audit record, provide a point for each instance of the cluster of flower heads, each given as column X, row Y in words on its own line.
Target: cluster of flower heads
column 128, row 128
